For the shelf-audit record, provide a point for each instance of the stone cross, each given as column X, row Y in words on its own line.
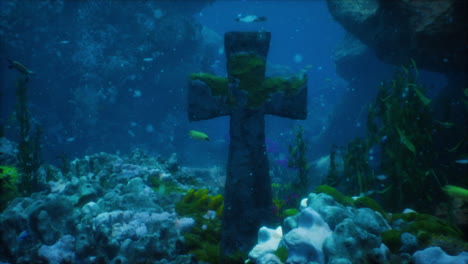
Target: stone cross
column 246, row 95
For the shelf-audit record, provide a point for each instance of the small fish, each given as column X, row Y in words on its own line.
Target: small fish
column 149, row 59
column 70, row 139
column 383, row 139
column 198, row 135
column 251, row 19
column 23, row 235
column 456, row 192
column 445, row 124
column 64, row 42
column 381, row 177
column 462, row 161
column 19, row 67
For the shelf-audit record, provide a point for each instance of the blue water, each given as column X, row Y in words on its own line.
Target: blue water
column 109, row 94
column 110, row 78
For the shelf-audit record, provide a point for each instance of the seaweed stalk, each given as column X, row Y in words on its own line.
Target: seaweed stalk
column 29, row 142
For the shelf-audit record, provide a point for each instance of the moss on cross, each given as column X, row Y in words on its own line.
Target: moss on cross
column 249, row 70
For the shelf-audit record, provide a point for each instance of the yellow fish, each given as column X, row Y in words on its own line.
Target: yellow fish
column 198, row 135
column 456, row 192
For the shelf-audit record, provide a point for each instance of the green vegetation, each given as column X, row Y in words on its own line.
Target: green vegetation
column 400, row 124
column 218, row 85
column 332, row 177
column 286, row 197
column 2, row 122
column 164, row 186
column 8, row 185
column 249, row 69
column 285, row 200
column 338, row 196
column 429, row 229
column 402, row 116
column 204, row 238
column 369, row 203
column 298, row 161
column 282, row 253
column 29, row 141
column 356, row 167
column 391, row 238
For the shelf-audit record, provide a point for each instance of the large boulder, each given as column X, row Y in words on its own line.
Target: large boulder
column 430, row 32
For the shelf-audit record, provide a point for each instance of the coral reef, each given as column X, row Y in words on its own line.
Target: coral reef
column 339, row 233
column 60, row 252
column 437, row 255
column 106, row 210
column 354, row 233
column 305, row 242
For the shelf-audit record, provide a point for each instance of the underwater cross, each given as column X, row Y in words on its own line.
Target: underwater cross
column 246, row 96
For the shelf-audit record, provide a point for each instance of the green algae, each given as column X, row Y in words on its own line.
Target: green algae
column 369, row 203
column 218, row 85
column 164, row 187
column 282, row 253
column 337, row 195
column 391, row 238
column 204, row 238
column 9, row 178
column 428, row 228
column 249, row 70
column 298, row 160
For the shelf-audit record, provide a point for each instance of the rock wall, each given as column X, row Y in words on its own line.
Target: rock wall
column 430, row 32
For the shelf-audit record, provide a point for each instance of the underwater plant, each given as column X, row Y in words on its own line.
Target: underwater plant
column 2, row 125
column 298, row 161
column 428, row 229
column 163, row 186
column 401, row 123
column 337, row 195
column 332, row 176
column 285, row 200
column 29, row 141
column 360, row 178
column 204, row 238
column 64, row 163
column 8, row 185
column 356, row 167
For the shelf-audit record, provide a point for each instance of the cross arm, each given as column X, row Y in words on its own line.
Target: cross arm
column 290, row 97
column 208, row 97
